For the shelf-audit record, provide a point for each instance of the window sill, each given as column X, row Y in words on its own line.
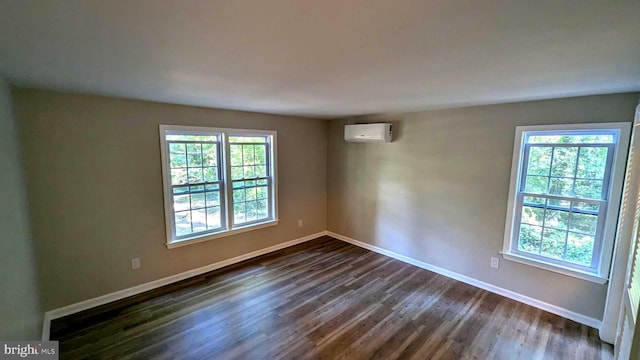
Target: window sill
column 555, row 268
column 198, row 239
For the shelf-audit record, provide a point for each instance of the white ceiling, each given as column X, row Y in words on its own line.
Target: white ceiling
column 324, row 58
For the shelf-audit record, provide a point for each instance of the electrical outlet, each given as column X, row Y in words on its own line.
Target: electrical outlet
column 135, row 263
column 495, row 262
column 300, row 222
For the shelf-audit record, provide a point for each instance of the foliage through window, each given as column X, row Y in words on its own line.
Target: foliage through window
column 561, row 212
column 216, row 180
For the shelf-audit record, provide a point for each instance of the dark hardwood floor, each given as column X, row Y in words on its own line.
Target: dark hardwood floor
column 324, row 299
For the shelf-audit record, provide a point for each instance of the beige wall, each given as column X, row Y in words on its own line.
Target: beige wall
column 20, row 312
column 438, row 192
column 95, row 189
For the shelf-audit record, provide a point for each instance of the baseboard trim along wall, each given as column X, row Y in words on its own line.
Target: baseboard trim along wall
column 582, row 319
column 121, row 294
column 138, row 289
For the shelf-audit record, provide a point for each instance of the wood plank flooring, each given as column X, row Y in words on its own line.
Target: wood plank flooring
column 324, row 299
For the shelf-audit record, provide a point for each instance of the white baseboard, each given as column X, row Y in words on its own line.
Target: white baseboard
column 580, row 318
column 118, row 295
column 138, row 289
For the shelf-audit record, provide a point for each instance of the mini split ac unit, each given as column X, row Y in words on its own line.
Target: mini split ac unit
column 367, row 133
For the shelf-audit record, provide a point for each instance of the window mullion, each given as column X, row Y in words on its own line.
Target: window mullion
column 566, row 235
column 518, row 215
column 598, row 238
column 544, row 218
column 607, row 173
column 228, row 187
column 270, row 202
column 575, row 172
column 553, row 152
column 525, row 166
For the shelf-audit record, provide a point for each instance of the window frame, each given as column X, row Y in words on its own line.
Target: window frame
column 228, row 226
column 599, row 270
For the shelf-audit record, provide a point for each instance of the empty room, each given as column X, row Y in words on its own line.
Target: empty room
column 280, row 179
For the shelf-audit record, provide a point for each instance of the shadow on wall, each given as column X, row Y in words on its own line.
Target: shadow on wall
column 401, row 183
column 368, row 184
column 408, row 196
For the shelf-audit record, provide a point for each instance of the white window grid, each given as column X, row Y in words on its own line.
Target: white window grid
column 225, row 190
column 602, row 204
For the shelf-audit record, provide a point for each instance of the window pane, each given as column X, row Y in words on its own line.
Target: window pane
column 247, row 139
column 580, row 249
column 237, row 173
column 247, row 155
column 249, row 172
column 261, row 154
column 195, row 175
column 213, row 217
column 180, row 189
column 590, row 189
column 536, row 184
column 584, row 223
column 553, row 243
column 564, row 161
column 197, row 200
column 592, row 162
column 261, row 192
column 261, row 171
column 178, row 161
column 202, row 137
column 263, row 209
column 193, row 148
column 529, row 239
column 210, row 174
column 238, row 213
column 210, row 187
column 566, row 204
column 532, row 215
column 183, row 223
column 209, row 155
column 194, row 155
column 561, row 186
column 238, row 184
column 178, row 176
column 181, row 203
column 250, row 193
column 251, row 209
column 556, row 219
column 571, row 139
column 213, row 199
column 530, row 200
column 199, row 220
column 196, row 188
column 262, row 182
column 238, row 195
column 539, row 160
column 177, row 149
column 585, row 206
column 236, row 155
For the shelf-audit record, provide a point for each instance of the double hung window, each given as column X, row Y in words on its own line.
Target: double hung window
column 565, row 195
column 217, row 181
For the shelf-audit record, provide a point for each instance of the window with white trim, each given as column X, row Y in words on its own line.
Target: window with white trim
column 564, row 197
column 217, row 182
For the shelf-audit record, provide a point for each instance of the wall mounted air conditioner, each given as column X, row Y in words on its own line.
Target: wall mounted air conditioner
column 368, row 133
